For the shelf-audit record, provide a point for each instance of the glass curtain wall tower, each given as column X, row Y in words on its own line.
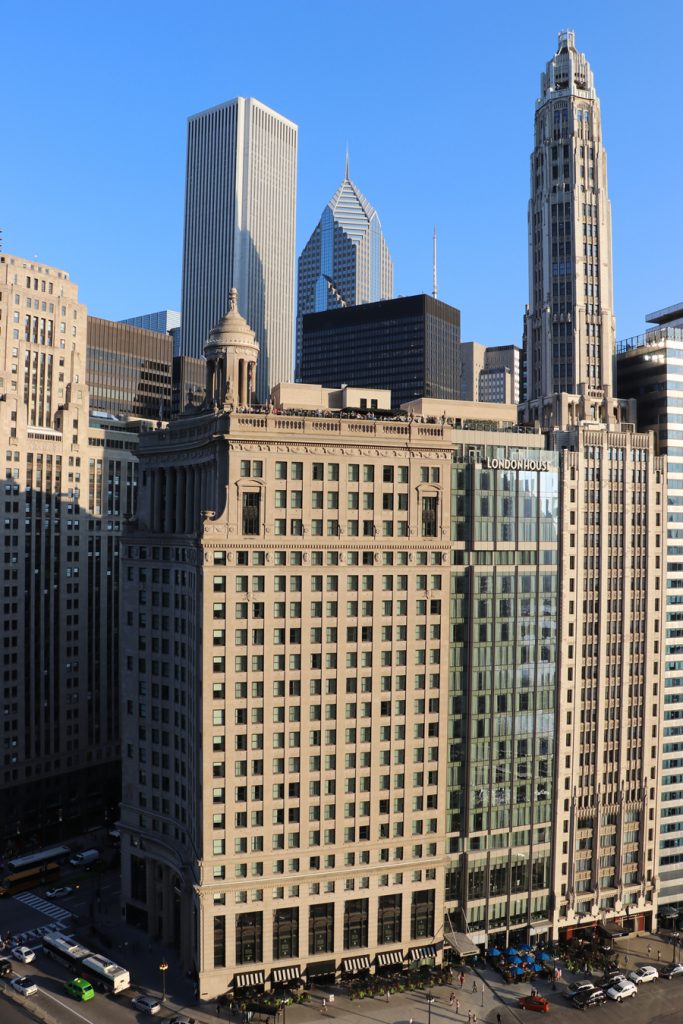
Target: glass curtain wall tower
column 569, row 327
column 346, row 261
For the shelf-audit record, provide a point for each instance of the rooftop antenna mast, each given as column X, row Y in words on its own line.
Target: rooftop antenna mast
column 435, row 290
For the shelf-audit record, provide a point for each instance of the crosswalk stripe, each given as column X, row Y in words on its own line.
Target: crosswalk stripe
column 43, row 906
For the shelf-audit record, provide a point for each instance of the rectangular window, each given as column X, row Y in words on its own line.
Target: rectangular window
column 429, row 516
column 251, row 513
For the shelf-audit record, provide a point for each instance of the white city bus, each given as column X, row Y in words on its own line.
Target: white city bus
column 33, row 860
column 94, row 966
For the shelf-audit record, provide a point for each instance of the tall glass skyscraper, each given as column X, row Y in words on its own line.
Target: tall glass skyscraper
column 570, row 328
column 240, row 207
column 346, row 261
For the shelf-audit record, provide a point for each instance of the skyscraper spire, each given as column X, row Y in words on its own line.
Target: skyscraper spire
column 570, row 331
column 346, row 171
column 435, row 290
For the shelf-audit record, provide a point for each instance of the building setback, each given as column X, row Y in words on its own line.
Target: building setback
column 240, row 206
column 69, row 481
column 650, row 370
column 408, row 345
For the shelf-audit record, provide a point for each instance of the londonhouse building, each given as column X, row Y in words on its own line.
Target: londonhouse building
column 69, row 481
column 394, row 681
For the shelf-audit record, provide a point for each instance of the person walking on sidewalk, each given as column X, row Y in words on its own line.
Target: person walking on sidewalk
column 474, row 986
column 462, row 979
column 457, row 1007
column 451, row 999
column 498, row 1019
column 469, row 1017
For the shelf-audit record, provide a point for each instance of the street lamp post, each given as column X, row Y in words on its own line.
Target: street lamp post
column 283, row 1010
column 430, row 1000
column 163, row 967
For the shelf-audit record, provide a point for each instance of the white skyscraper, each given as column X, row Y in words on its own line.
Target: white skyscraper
column 240, row 206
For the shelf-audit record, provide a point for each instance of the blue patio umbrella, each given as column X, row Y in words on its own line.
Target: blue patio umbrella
column 510, row 952
column 525, row 948
column 529, row 956
column 494, row 952
column 544, row 956
column 536, row 968
column 515, row 960
column 517, row 970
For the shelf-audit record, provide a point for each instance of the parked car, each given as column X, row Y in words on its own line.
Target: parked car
column 576, row 987
column 671, row 971
column 23, row 954
column 80, row 989
column 622, row 990
column 589, row 997
column 24, row 986
column 182, row 1020
column 5, row 967
column 643, row 974
column 612, row 979
column 537, row 1003
column 146, row 1004
column 61, row 890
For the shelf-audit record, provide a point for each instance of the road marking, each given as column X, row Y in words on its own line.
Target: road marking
column 65, row 1006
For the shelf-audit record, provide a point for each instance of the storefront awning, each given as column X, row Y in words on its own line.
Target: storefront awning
column 282, row 974
column 461, row 943
column 315, row 970
column 423, row 952
column 354, row 964
column 249, row 979
column 612, row 929
column 394, row 957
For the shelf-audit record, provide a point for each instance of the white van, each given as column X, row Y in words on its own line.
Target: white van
column 85, row 858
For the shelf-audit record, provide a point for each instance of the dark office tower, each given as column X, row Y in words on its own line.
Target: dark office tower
column 570, row 327
column 346, row 261
column 408, row 345
column 128, row 369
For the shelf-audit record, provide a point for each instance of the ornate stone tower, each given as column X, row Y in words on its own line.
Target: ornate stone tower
column 231, row 356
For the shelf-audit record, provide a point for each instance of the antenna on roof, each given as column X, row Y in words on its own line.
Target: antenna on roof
column 435, row 290
column 346, row 173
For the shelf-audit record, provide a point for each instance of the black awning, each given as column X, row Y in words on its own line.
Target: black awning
column 354, row 964
column 314, row 970
column 393, row 957
column 423, row 952
column 249, row 979
column 278, row 975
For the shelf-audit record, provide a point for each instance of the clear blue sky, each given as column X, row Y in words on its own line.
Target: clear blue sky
column 435, row 99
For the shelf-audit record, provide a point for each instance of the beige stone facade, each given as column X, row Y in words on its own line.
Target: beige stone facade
column 68, row 483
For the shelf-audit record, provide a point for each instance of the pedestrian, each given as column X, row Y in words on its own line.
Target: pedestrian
column 498, row 1020
column 659, row 954
column 626, row 959
column 474, row 1018
column 649, row 950
column 457, row 1007
column 469, row 1017
column 323, row 1008
column 218, row 1009
column 474, row 985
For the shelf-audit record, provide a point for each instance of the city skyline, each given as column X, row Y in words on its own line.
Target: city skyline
column 470, row 202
